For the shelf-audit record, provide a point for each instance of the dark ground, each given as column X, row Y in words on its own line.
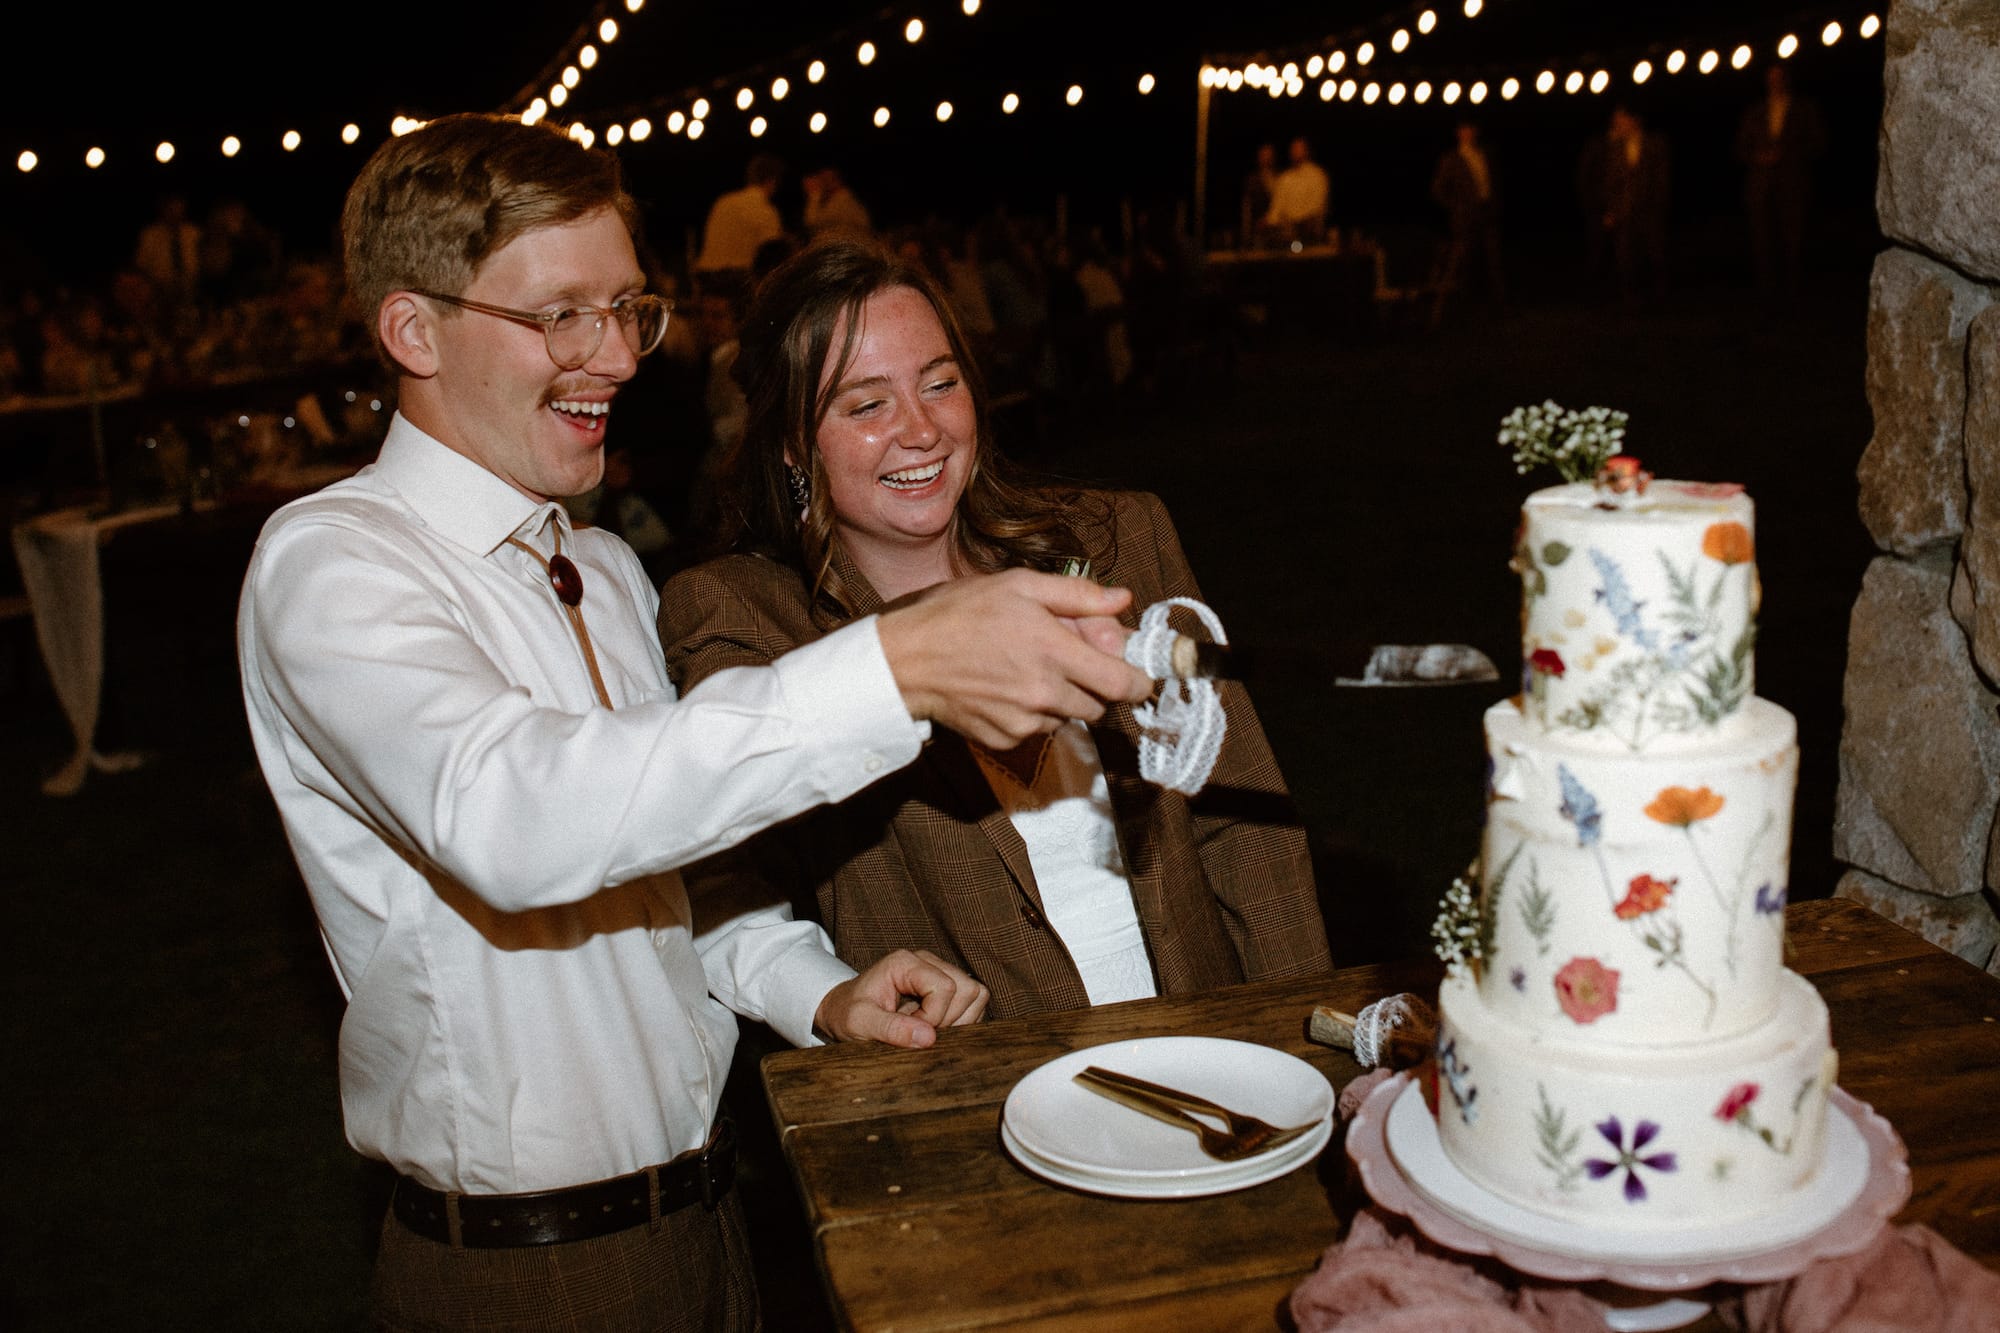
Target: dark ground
column 174, row 1155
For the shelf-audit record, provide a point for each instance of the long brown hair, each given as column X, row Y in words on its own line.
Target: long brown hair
column 786, row 342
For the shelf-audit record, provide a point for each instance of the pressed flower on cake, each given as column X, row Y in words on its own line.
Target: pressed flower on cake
column 1683, row 806
column 1586, row 989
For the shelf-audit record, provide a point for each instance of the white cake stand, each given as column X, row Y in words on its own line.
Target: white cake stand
column 1866, row 1175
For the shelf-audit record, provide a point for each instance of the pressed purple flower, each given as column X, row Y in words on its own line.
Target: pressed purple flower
column 1519, row 978
column 1629, row 1159
column 1771, row 901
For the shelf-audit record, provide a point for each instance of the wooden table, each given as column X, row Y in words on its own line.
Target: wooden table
column 921, row 1221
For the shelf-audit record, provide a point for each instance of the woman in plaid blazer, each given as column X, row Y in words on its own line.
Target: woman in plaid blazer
column 1054, row 874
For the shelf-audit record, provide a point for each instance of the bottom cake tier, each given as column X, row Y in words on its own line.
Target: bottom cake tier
column 1635, row 1138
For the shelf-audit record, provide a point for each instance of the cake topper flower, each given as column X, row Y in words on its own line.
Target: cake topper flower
column 1576, row 443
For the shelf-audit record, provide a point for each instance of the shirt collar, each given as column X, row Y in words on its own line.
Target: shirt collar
column 455, row 496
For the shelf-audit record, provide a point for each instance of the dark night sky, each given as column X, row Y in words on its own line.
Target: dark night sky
column 196, row 73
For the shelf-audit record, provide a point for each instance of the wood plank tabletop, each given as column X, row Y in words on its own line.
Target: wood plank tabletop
column 922, row 1221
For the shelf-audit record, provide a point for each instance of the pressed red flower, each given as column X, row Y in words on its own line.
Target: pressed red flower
column 1645, row 894
column 1547, row 661
column 1586, row 989
column 1683, row 806
column 1728, row 542
column 1737, row 1102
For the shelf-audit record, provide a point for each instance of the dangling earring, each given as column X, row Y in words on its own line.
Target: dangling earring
column 799, row 486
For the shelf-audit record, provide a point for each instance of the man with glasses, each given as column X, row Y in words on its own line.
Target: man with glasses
column 462, row 711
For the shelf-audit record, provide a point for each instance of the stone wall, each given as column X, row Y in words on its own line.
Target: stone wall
column 1918, row 811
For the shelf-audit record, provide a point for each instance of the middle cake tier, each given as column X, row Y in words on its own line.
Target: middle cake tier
column 1636, row 899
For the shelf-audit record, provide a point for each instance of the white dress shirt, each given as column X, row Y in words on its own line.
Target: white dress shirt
column 490, row 851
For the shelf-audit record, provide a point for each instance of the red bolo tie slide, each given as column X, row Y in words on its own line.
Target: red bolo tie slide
column 565, row 579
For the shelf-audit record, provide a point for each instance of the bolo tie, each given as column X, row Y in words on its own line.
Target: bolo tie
column 567, row 581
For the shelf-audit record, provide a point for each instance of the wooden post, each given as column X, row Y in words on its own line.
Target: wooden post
column 1201, row 167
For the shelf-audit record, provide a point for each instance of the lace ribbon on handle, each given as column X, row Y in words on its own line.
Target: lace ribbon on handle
column 1181, row 735
column 1375, row 1026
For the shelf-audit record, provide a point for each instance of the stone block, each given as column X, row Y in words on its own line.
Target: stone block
column 1966, row 925
column 1920, row 751
column 1939, row 184
column 1976, row 591
column 1912, row 474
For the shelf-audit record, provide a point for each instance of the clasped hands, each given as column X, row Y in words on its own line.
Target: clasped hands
column 1003, row 657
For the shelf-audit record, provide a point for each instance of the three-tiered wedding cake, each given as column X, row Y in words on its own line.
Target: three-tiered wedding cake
column 1627, row 1048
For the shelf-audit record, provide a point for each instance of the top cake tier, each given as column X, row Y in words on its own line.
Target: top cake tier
column 1637, row 621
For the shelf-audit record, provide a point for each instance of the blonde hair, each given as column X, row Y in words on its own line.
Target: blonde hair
column 431, row 206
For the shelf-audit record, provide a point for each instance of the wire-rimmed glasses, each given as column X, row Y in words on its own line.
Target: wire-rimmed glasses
column 575, row 332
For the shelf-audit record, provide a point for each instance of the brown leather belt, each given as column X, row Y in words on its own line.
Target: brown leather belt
column 581, row 1212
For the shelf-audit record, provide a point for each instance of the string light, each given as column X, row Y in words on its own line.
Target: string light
column 818, row 122
column 1421, row 93
column 1396, row 93
column 1600, row 81
column 164, row 153
column 1472, row 8
column 1478, row 93
column 699, row 111
column 1364, row 53
column 1371, row 94
column 94, row 158
column 349, row 132
column 1450, row 94
column 970, row 7
column 1545, row 81
column 780, row 86
column 1145, row 84
column 615, row 135
column 913, row 31
column 27, row 161
column 1677, row 62
column 607, row 32
column 1347, row 90
column 1401, row 41
column 1510, row 89
column 1709, row 60
column 1787, row 45
column 570, row 77
column 1739, row 57
column 1426, row 21
column 1327, row 90
column 1009, row 103
column 695, row 129
column 558, row 95
column 881, row 116
column 866, row 55
column 815, row 71
column 231, row 146
column 744, row 97
column 1869, row 26
column 757, row 127
column 676, row 122
column 943, row 112
column 1336, row 62
column 1315, row 66
column 587, row 57
column 642, row 130
column 1574, row 83
column 1829, row 34
column 1074, row 95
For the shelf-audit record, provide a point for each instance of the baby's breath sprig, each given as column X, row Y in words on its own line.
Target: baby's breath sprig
column 1457, row 928
column 1575, row 442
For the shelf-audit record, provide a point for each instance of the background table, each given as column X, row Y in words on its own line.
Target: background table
column 921, row 1221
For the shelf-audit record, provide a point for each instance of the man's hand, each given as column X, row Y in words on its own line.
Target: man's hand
column 1002, row 657
column 902, row 1000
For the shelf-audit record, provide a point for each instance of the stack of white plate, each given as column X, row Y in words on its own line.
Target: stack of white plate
column 1060, row 1130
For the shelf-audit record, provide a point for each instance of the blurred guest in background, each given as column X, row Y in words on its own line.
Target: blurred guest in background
column 1298, row 200
column 740, row 223
column 1258, row 185
column 831, row 207
column 1465, row 187
column 1624, row 183
column 1777, row 142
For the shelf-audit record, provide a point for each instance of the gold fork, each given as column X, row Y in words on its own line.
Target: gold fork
column 1246, row 1136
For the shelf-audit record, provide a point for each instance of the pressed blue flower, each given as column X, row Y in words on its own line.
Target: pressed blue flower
column 1617, row 597
column 1771, row 901
column 1629, row 1159
column 1458, row 1078
column 1580, row 808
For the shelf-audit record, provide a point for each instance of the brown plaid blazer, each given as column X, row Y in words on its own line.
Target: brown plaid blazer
column 927, row 859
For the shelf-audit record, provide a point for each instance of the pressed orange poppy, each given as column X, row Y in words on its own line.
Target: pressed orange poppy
column 1684, row 805
column 1728, row 542
column 1646, row 895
